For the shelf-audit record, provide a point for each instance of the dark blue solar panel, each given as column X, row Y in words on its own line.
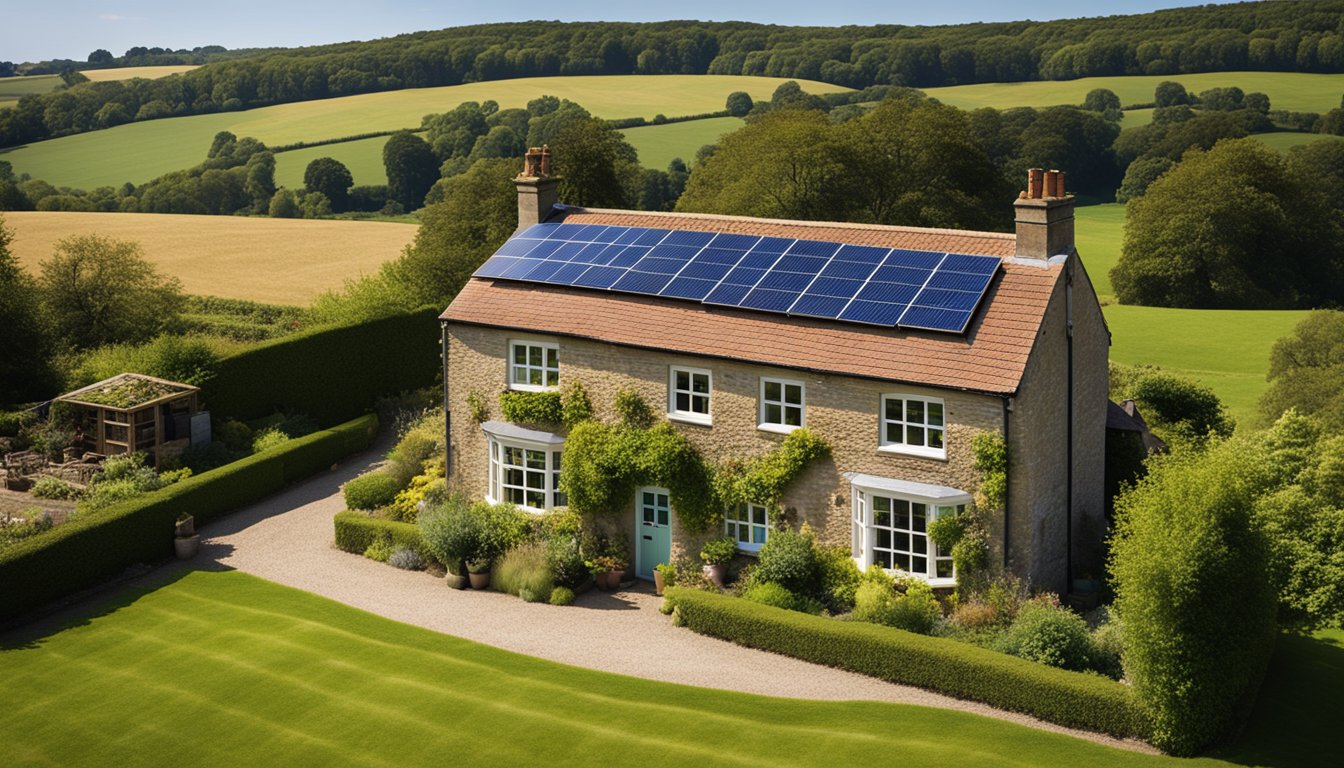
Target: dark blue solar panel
column 854, row 283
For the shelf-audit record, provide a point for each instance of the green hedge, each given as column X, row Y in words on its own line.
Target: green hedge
column 355, row 531
column 99, row 546
column 331, row 374
column 1072, row 699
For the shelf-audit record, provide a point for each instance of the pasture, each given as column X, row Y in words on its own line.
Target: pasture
column 658, row 145
column 273, row 261
column 1226, row 350
column 223, row 668
column 1286, row 140
column 127, row 73
column 364, row 158
column 1294, row 91
column 141, row 151
column 14, row 88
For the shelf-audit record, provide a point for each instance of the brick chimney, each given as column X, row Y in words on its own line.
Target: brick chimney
column 1044, row 214
column 536, row 187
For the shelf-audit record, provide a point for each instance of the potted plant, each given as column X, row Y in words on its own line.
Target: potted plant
column 607, row 571
column 664, row 575
column 717, row 553
column 186, row 542
column 478, row 573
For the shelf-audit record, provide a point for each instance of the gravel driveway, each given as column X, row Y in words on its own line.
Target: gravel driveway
column 288, row 538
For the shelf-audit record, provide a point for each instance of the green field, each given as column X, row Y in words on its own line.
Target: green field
column 1136, row 118
column 1294, row 91
column 141, row 151
column 1286, row 140
column 14, row 88
column 221, row 668
column 363, row 157
column 658, row 145
column 1227, row 350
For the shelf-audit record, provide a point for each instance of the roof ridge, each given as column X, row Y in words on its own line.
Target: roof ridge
column 799, row 223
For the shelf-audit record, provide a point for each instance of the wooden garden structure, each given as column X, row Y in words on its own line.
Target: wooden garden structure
column 132, row 412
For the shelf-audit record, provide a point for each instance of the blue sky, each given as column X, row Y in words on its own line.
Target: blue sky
column 71, row 29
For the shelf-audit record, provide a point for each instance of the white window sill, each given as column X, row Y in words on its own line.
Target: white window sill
column 941, row 583
column 782, row 429
column 905, row 450
column 532, row 388
column 753, row 550
column 698, row 419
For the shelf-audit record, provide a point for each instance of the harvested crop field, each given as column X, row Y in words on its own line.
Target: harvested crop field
column 274, row 261
column 126, row 73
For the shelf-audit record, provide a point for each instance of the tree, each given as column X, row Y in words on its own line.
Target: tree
column 594, row 163
column 260, row 182
column 96, row 291
column 1233, row 227
column 1101, row 100
column 1306, row 372
column 284, row 206
column 314, row 205
column 411, row 168
column 331, row 178
column 101, row 57
column 25, row 349
column 478, row 213
column 739, row 103
column 1170, row 94
column 1140, row 175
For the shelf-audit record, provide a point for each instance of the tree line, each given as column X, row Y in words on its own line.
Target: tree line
column 1305, row 36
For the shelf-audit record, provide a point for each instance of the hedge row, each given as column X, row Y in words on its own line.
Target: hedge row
column 331, row 374
column 99, row 546
column 355, row 531
column 1072, row 699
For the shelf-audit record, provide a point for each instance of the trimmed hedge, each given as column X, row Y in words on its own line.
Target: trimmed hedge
column 355, row 531
column 330, row 374
column 1072, row 699
column 99, row 546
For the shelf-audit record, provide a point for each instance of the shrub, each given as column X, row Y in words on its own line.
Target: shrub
column 33, row 522
column 1191, row 573
column 421, row 442
column 380, row 550
column 357, row 531
column 267, row 439
column 234, row 434
column 1107, row 647
column 562, row 596
column 48, row 487
column 789, row 558
column 840, row 578
column 915, row 611
column 1049, row 634
column 718, row 551
column 92, row 548
column 429, row 487
column 124, row 477
column 770, row 593
column 948, row 666
column 406, row 559
column 632, row 409
column 564, row 558
column 523, row 572
column 371, row 490
column 974, row 616
column 535, row 408
column 475, row 534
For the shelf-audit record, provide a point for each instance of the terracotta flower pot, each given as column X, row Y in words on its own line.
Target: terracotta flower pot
column 716, row 574
column 609, row 581
column 479, row 580
column 187, row 546
column 659, row 582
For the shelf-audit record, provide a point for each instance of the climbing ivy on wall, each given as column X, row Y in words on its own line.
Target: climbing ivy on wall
column 966, row 535
column 763, row 480
column 563, row 408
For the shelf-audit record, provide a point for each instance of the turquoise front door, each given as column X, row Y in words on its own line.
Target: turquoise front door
column 653, row 512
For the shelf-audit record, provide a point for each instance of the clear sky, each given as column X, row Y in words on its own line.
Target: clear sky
column 33, row 31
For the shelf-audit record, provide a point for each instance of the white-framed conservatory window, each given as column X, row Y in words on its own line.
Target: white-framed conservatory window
column 748, row 525
column 913, row 424
column 688, row 394
column 891, row 530
column 526, row 475
column 782, row 404
column 534, row 365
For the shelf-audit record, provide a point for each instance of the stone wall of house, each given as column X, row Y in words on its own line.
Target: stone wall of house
column 842, row 410
column 1038, row 445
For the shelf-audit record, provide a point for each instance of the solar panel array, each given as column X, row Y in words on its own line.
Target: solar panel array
column 853, row 283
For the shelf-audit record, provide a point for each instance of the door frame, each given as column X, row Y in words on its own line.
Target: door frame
column 639, row 527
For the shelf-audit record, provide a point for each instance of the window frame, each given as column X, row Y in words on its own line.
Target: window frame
column 886, row 446
column 496, row 467
column 546, row 346
column 783, row 428
column 864, row 530
column 731, row 527
column 692, row 416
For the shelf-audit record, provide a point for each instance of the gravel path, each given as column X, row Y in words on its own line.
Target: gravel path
column 288, row 539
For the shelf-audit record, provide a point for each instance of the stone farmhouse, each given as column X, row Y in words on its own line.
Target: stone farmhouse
column 896, row 345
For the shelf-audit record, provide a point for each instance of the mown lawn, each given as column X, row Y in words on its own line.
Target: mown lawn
column 221, row 668
column 1294, row 91
column 141, row 151
column 657, row 145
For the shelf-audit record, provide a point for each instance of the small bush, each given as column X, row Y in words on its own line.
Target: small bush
column 1049, row 634
column 268, row 438
column 420, row 443
column 770, row 593
column 789, row 558
column 380, row 550
column 974, row 616
column 1107, row 645
column 33, row 522
column 562, row 596
column 718, row 551
column 523, row 572
column 564, row 558
column 48, row 487
column 915, row 611
column 840, row 578
column 406, row 559
column 371, row 491
column 234, row 434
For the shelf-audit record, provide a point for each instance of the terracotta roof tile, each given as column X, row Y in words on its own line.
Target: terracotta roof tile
column 990, row 357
